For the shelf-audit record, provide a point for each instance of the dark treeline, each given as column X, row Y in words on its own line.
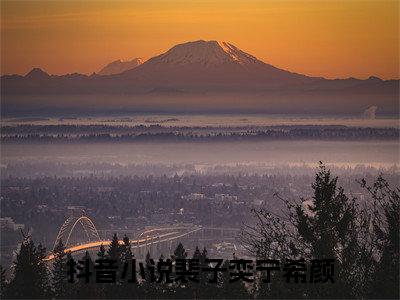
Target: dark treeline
column 81, row 129
column 362, row 238
column 33, row 278
column 43, row 168
column 99, row 133
column 61, row 169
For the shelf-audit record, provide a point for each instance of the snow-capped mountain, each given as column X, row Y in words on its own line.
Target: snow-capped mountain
column 208, row 75
column 209, row 63
column 120, row 66
column 206, row 53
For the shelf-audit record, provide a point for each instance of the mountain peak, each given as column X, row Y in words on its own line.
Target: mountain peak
column 119, row 66
column 374, row 78
column 37, row 73
column 206, row 53
column 235, row 53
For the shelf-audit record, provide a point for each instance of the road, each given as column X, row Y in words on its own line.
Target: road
column 138, row 243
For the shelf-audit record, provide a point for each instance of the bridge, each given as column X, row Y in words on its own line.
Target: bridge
column 145, row 241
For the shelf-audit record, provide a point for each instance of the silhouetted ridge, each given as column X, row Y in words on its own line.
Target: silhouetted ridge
column 199, row 71
column 37, row 73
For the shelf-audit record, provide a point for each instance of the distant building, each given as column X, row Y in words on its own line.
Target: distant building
column 221, row 184
column 194, row 196
column 258, row 202
column 225, row 198
column 104, row 189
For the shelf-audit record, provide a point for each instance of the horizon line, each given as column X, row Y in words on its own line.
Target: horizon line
column 94, row 73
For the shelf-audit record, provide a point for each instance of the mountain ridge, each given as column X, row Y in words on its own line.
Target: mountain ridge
column 203, row 68
column 140, row 61
column 119, row 66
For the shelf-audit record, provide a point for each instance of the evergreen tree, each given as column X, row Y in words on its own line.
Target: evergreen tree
column 203, row 255
column 102, row 252
column 3, row 282
column 69, row 292
column 197, row 289
column 197, row 253
column 43, row 270
column 228, row 289
column 180, row 252
column 126, row 250
column 326, row 222
column 84, row 289
column 31, row 277
column 128, row 290
column 169, row 290
column 178, row 289
column 115, row 250
column 148, row 289
column 101, row 255
column 203, row 289
column 386, row 224
column 60, row 280
column 114, row 253
column 328, row 228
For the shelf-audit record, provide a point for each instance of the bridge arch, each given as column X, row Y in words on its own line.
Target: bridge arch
column 69, row 225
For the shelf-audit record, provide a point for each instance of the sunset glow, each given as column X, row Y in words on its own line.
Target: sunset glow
column 333, row 39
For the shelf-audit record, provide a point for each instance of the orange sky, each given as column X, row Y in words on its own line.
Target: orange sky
column 334, row 39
